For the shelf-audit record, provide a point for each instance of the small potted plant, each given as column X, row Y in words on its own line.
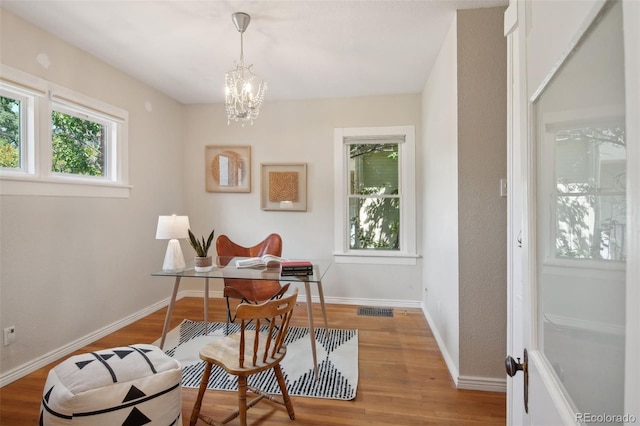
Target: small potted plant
column 202, row 261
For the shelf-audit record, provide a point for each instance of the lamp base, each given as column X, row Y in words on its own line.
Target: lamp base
column 173, row 258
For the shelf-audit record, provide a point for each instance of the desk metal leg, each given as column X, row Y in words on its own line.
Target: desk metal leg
column 169, row 312
column 324, row 310
column 206, row 306
column 312, row 333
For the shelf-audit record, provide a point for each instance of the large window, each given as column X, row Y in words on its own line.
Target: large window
column 375, row 194
column 54, row 141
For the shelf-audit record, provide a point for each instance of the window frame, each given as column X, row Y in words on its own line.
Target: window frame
column 27, row 138
column 343, row 137
column 37, row 178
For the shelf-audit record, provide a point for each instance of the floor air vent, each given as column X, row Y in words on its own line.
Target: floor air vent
column 375, row 312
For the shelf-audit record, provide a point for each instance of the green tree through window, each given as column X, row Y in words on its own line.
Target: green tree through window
column 374, row 204
column 78, row 145
column 9, row 133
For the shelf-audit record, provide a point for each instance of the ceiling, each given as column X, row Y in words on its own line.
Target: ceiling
column 304, row 49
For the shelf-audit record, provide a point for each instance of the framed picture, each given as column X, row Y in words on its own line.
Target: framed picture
column 227, row 168
column 284, row 186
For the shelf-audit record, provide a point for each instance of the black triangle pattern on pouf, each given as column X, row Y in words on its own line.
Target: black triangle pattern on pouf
column 83, row 364
column 136, row 418
column 122, row 354
column 134, row 393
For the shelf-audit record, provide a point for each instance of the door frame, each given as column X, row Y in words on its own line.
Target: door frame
column 521, row 255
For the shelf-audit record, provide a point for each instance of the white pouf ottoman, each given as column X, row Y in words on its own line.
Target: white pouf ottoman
column 129, row 386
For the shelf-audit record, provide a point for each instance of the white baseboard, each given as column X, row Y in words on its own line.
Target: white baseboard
column 451, row 364
column 33, row 365
column 487, row 384
column 409, row 304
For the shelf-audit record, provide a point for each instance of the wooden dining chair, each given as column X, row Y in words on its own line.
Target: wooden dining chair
column 254, row 349
column 253, row 291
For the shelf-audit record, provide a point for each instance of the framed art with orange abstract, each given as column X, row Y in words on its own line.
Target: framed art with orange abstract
column 283, row 186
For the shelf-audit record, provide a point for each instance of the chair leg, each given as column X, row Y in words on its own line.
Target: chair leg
column 283, row 389
column 242, row 399
column 203, row 387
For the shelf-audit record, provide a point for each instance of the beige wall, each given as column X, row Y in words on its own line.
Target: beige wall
column 440, row 200
column 297, row 132
column 482, row 212
column 71, row 266
column 465, row 219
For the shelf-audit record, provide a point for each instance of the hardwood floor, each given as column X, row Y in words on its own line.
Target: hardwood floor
column 403, row 379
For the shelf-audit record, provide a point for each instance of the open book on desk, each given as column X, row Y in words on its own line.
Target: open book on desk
column 267, row 260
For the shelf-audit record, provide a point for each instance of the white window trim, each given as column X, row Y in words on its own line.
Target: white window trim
column 27, row 142
column 36, row 178
column 407, row 254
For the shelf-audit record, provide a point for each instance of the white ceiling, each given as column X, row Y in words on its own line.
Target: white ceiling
column 304, row 49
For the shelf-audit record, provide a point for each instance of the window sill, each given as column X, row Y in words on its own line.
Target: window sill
column 61, row 188
column 376, row 258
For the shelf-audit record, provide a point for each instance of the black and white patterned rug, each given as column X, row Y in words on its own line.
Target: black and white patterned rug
column 337, row 361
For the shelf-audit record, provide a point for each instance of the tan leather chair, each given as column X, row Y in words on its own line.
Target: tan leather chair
column 252, row 291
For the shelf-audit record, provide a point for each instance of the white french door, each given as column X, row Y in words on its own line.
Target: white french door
column 574, row 212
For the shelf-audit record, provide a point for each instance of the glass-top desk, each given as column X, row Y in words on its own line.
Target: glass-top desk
column 231, row 272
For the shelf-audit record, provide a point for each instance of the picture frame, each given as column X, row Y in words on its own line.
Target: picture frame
column 283, row 186
column 227, row 168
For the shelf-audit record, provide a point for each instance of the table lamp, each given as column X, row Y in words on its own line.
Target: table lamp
column 172, row 228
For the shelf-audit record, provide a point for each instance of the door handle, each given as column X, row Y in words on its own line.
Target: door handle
column 512, row 366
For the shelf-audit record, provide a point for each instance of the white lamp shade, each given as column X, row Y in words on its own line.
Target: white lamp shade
column 170, row 227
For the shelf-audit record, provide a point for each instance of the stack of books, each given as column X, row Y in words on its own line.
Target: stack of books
column 293, row 268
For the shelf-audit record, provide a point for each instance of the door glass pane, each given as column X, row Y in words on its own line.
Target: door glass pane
column 581, row 220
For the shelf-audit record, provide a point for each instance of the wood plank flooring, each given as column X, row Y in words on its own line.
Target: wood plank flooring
column 403, row 379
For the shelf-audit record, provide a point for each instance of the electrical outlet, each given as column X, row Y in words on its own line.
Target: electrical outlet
column 9, row 335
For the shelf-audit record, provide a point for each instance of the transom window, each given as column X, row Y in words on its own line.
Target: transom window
column 79, row 144
column 54, row 141
column 375, row 195
column 12, row 121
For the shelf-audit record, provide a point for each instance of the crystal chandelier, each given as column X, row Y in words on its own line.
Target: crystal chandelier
column 244, row 91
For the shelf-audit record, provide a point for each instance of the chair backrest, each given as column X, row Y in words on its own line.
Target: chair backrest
column 270, row 245
column 249, row 289
column 266, row 344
